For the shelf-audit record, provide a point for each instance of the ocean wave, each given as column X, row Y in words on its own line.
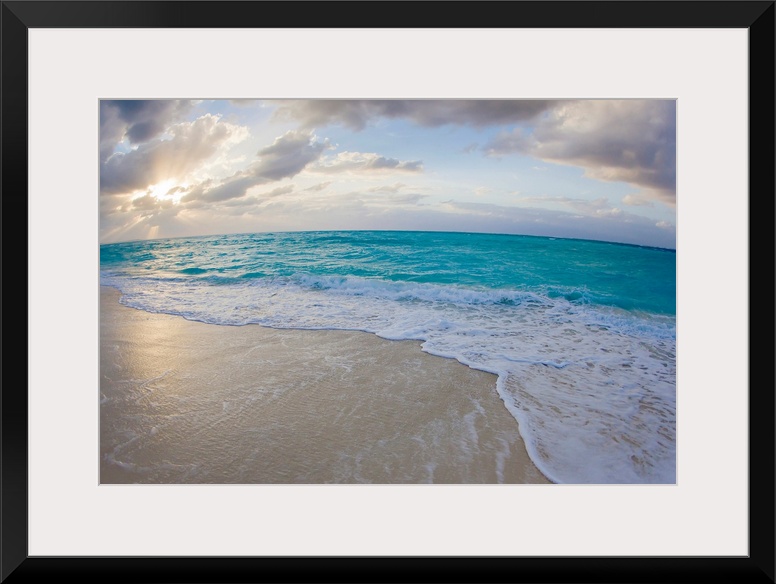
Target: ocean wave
column 587, row 372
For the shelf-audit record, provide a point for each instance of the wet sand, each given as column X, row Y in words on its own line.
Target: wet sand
column 187, row 402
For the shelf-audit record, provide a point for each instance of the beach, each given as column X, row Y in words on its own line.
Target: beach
column 184, row 402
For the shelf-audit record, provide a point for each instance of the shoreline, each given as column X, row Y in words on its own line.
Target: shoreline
column 186, row 402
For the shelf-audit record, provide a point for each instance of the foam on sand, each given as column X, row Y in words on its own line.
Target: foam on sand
column 188, row 402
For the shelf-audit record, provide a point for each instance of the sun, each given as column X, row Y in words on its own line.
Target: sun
column 161, row 191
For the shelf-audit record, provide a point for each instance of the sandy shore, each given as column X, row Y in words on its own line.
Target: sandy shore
column 187, row 402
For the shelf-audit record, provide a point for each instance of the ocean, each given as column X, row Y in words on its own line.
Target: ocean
column 581, row 334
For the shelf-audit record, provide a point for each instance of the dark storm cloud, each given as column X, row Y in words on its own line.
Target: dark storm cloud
column 286, row 157
column 136, row 119
column 356, row 114
column 632, row 141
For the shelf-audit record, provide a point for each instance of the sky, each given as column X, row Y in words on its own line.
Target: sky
column 588, row 169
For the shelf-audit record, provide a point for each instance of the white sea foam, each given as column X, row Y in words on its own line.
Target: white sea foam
column 592, row 388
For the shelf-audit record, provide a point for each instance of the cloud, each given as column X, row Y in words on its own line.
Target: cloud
column 579, row 205
column 397, row 211
column 386, row 200
column 516, row 140
column 608, row 225
column 366, row 199
column 319, row 186
column 388, row 189
column 637, row 201
column 174, row 190
column 277, row 192
column 632, row 141
column 613, row 212
column 365, row 162
column 137, row 120
column 286, row 157
column 357, row 114
column 406, row 198
column 145, row 202
column 233, row 187
column 190, row 144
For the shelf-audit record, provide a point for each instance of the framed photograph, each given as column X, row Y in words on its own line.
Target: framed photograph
column 458, row 299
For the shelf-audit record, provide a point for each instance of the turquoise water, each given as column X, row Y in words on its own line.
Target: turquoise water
column 581, row 334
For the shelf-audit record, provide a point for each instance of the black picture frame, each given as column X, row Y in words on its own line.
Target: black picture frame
column 756, row 16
